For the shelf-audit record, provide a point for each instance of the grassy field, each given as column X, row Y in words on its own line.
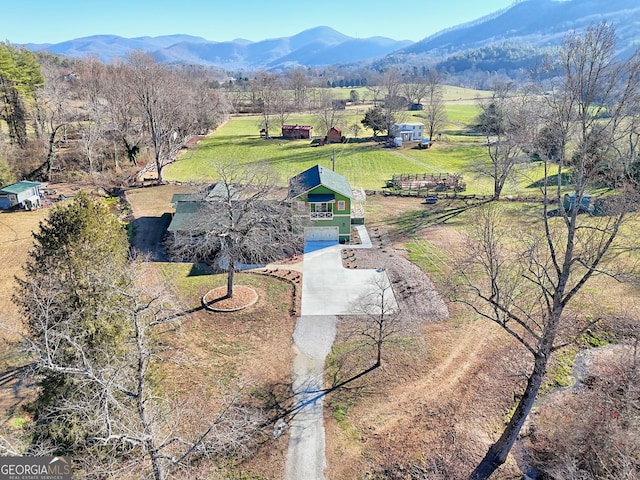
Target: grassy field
column 363, row 162
column 449, row 93
column 464, row 369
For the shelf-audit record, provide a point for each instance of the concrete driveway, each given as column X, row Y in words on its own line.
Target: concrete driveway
column 313, row 337
column 327, row 287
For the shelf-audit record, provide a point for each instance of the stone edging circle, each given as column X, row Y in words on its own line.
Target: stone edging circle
column 216, row 296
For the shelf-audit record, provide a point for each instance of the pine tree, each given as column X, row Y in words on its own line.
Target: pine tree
column 72, row 297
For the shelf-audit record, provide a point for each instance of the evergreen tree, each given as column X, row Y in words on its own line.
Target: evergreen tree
column 73, row 300
column 20, row 76
column 375, row 119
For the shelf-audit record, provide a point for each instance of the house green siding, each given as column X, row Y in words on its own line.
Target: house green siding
column 335, row 216
column 325, row 197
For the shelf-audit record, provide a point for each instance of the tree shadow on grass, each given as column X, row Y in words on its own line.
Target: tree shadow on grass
column 411, row 222
column 551, row 180
column 288, row 406
column 14, row 378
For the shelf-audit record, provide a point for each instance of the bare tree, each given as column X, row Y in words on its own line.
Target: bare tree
column 282, row 106
column 528, row 282
column 53, row 113
column 299, row 83
column 376, row 92
column 240, row 221
column 327, row 115
column 394, row 103
column 375, row 325
column 266, row 89
column 434, row 113
column 415, row 89
column 91, row 85
column 164, row 105
column 126, row 129
column 380, row 318
column 507, row 121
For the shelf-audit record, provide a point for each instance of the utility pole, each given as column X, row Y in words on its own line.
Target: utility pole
column 333, row 160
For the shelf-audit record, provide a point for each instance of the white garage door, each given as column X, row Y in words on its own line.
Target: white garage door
column 321, row 234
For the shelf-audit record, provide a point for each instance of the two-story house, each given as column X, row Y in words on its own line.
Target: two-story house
column 325, row 197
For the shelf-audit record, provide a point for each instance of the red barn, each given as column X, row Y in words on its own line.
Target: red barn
column 296, row 131
column 334, row 135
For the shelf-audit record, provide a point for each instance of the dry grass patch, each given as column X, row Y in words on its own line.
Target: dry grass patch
column 155, row 201
column 212, row 355
column 450, row 398
column 16, row 241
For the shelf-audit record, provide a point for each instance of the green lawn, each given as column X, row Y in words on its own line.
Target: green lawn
column 449, row 93
column 364, row 163
column 462, row 113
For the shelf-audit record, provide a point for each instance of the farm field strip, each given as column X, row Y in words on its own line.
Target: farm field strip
column 363, row 162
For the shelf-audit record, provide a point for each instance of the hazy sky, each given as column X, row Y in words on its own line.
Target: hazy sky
column 53, row 21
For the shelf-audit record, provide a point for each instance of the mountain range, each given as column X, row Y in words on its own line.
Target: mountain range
column 313, row 47
column 532, row 23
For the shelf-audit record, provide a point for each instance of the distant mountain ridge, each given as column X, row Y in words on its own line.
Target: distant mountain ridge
column 534, row 25
column 537, row 23
column 313, row 47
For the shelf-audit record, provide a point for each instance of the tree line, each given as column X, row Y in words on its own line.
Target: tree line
column 68, row 118
column 95, row 118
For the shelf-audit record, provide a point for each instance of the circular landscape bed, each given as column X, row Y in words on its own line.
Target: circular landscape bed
column 217, row 301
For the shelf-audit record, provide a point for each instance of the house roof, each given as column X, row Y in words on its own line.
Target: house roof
column 185, row 197
column 296, row 127
column 19, row 187
column 186, row 217
column 216, row 192
column 408, row 124
column 319, row 176
column 189, row 216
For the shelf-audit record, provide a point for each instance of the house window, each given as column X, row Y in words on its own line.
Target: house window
column 322, row 210
column 322, row 207
column 342, row 205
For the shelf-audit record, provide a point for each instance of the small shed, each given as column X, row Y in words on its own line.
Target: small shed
column 24, row 194
column 296, row 131
column 334, row 135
